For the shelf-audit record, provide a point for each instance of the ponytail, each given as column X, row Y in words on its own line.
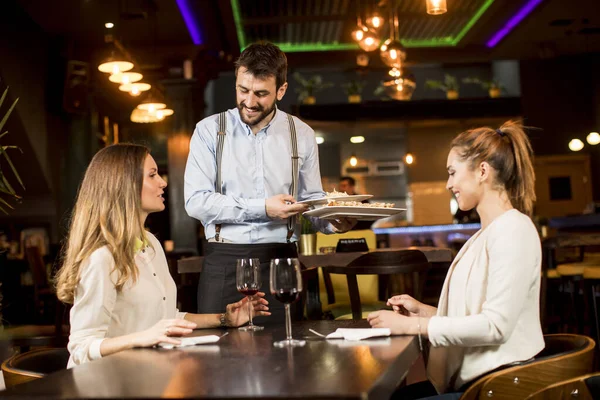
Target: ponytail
column 509, row 152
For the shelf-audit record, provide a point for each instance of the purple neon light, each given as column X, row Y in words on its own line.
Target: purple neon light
column 188, row 17
column 513, row 22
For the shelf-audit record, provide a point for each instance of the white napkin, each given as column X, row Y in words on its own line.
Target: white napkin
column 358, row 333
column 191, row 341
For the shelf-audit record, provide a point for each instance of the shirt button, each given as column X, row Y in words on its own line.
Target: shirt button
column 164, row 298
column 154, row 274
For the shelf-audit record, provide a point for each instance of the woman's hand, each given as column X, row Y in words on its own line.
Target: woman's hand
column 406, row 305
column 165, row 330
column 236, row 314
column 397, row 323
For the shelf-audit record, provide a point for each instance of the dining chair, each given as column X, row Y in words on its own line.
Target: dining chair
column 406, row 263
column 586, row 387
column 565, row 356
column 34, row 364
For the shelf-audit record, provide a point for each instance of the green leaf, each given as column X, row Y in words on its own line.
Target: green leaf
column 2, row 135
column 12, row 166
column 3, row 96
column 8, row 113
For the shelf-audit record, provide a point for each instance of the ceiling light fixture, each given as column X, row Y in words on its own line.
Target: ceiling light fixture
column 515, row 20
column 436, row 7
column 320, row 139
column 575, row 145
column 125, row 77
column 357, row 139
column 392, row 52
column 135, row 89
column 593, row 138
column 353, row 160
column 409, row 158
column 109, row 25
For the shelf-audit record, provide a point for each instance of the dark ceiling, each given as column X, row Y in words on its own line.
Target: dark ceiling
column 155, row 31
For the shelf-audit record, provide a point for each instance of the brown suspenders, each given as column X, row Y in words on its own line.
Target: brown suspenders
column 293, row 189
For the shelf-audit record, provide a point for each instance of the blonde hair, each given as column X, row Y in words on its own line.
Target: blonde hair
column 106, row 213
column 509, row 152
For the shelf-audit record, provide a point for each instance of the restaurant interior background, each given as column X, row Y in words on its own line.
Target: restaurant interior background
column 545, row 53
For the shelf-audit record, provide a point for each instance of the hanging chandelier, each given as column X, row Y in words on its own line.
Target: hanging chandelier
column 392, row 52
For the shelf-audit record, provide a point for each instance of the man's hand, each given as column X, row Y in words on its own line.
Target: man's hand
column 343, row 225
column 283, row 206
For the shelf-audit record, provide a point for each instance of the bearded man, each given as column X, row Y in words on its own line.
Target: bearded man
column 247, row 169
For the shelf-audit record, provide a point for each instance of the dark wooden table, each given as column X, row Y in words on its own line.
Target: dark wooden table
column 241, row 365
column 437, row 256
column 433, row 254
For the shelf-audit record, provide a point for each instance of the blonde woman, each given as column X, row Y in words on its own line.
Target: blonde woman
column 488, row 313
column 115, row 272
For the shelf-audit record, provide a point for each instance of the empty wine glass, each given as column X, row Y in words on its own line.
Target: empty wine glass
column 247, row 280
column 286, row 286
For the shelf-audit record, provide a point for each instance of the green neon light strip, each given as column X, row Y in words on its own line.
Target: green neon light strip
column 237, row 17
column 448, row 41
column 472, row 21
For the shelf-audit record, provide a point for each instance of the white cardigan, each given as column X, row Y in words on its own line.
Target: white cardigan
column 488, row 313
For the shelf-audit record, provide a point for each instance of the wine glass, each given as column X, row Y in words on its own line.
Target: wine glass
column 247, row 280
column 286, row 286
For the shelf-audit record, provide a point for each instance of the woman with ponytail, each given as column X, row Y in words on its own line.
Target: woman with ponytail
column 488, row 313
column 115, row 273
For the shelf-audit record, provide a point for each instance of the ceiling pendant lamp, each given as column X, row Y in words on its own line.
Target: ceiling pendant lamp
column 392, row 52
column 151, row 103
column 125, row 78
column 436, row 7
column 135, row 89
column 359, row 33
column 115, row 63
column 369, row 42
column 143, row 117
column 375, row 21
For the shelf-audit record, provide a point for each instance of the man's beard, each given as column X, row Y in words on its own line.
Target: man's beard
column 264, row 113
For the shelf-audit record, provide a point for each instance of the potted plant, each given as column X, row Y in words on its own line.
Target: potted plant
column 309, row 87
column 448, row 85
column 7, row 192
column 308, row 237
column 493, row 87
column 353, row 90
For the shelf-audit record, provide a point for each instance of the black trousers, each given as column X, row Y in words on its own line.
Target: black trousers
column 217, row 287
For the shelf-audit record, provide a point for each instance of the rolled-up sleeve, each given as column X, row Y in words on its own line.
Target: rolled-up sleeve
column 201, row 200
column 95, row 299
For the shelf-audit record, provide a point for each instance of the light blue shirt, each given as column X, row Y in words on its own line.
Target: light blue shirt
column 253, row 168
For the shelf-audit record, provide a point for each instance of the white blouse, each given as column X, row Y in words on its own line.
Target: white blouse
column 488, row 314
column 100, row 311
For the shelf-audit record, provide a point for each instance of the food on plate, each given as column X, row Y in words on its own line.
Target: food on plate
column 334, row 203
column 335, row 193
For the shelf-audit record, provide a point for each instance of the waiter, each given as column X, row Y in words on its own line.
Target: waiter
column 246, row 170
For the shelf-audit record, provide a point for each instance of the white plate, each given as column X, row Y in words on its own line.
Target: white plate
column 360, row 213
column 325, row 200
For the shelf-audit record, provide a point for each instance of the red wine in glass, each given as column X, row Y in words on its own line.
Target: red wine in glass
column 286, row 285
column 287, row 296
column 247, row 280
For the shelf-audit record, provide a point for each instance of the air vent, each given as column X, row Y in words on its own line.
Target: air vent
column 376, row 168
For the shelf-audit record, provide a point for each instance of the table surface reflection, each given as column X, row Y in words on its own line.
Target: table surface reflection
column 242, row 365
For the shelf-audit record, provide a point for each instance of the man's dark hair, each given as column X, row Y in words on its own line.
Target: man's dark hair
column 264, row 60
column 350, row 180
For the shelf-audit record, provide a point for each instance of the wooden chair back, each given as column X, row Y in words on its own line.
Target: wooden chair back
column 586, row 387
column 564, row 357
column 406, row 262
column 33, row 364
